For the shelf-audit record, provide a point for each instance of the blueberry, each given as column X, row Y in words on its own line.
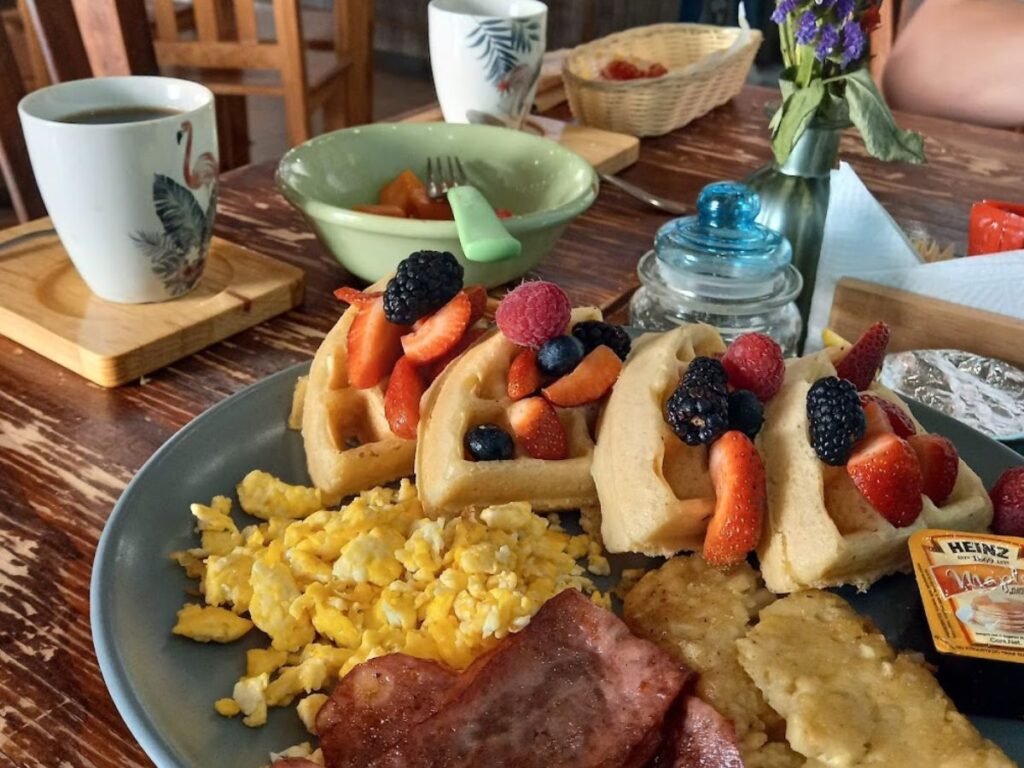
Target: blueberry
column 489, row 442
column 560, row 355
column 746, row 413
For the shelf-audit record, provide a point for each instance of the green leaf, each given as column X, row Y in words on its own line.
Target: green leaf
column 871, row 116
column 179, row 212
column 797, row 110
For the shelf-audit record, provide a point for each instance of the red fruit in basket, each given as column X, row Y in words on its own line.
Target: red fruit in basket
column 1008, row 498
column 355, row 296
column 887, row 473
column 588, row 381
column 440, row 332
column 374, row 344
column 620, row 69
column 656, row 70
column 754, row 361
column 523, row 375
column 940, row 464
column 533, row 313
column 538, row 429
column 402, row 399
column 862, row 363
column 900, row 422
column 741, row 500
column 477, row 301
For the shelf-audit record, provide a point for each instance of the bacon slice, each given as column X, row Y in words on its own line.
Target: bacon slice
column 574, row 688
column 376, row 704
column 698, row 736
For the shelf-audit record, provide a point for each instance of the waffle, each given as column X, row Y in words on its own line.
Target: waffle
column 349, row 445
column 473, row 391
column 820, row 531
column 655, row 492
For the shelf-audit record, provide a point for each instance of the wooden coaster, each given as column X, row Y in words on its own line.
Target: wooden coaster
column 606, row 151
column 45, row 306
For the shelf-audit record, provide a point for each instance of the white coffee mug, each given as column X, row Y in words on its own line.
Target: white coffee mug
column 132, row 202
column 486, row 58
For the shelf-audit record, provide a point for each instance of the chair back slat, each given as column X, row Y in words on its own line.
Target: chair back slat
column 165, row 17
column 245, row 21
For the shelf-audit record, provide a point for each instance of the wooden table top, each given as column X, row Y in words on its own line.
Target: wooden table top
column 68, row 448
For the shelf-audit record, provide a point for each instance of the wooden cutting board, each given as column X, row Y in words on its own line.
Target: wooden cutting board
column 45, row 306
column 607, row 151
column 922, row 322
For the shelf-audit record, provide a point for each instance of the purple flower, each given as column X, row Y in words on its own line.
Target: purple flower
column 844, row 8
column 807, row 28
column 853, row 43
column 783, row 9
column 828, row 41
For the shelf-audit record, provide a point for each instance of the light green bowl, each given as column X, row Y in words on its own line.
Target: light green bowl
column 544, row 184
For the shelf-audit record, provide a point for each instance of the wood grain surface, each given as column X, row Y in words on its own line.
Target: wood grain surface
column 67, row 447
column 46, row 306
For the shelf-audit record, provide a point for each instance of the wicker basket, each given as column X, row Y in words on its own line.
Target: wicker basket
column 652, row 107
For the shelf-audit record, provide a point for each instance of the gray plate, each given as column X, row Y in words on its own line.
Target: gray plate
column 164, row 686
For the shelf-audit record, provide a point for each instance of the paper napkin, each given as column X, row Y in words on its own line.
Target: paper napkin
column 861, row 240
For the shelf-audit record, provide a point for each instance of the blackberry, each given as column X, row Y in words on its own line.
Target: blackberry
column 489, row 442
column 745, row 412
column 836, row 419
column 424, row 282
column 698, row 414
column 594, row 333
column 706, row 372
column 559, row 356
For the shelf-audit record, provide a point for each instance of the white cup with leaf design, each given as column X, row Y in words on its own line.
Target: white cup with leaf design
column 127, row 168
column 486, row 58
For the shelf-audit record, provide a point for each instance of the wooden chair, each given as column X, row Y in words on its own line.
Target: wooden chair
column 14, row 162
column 225, row 53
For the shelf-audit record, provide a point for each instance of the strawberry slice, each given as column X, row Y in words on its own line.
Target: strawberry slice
column 940, row 464
column 354, row 296
column 440, row 332
column 877, row 419
column 900, row 422
column 887, row 473
column 374, row 344
column 432, row 370
column 523, row 375
column 402, row 399
column 588, row 381
column 741, row 500
column 478, row 300
column 538, row 429
column 862, row 362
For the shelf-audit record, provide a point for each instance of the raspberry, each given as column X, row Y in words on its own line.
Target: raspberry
column 836, row 419
column 1008, row 499
column 533, row 313
column 594, row 333
column 423, row 282
column 754, row 361
column 698, row 414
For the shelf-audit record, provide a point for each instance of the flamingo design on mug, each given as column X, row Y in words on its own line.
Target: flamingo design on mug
column 179, row 252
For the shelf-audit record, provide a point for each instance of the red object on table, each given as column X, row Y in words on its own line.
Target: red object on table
column 995, row 226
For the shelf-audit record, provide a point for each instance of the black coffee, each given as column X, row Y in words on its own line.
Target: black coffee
column 112, row 115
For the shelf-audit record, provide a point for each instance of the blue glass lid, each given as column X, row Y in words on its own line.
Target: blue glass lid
column 723, row 240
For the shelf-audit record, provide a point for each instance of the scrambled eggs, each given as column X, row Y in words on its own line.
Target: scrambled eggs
column 333, row 588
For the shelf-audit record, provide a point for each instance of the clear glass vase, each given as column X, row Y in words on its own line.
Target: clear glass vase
column 794, row 199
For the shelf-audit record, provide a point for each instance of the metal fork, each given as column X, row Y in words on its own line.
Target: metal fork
column 438, row 183
column 481, row 233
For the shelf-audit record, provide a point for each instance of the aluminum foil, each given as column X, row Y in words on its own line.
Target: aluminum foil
column 984, row 393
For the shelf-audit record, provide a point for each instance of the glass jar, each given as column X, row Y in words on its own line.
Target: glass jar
column 722, row 268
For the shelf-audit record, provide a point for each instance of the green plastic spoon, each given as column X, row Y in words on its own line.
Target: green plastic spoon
column 482, row 235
